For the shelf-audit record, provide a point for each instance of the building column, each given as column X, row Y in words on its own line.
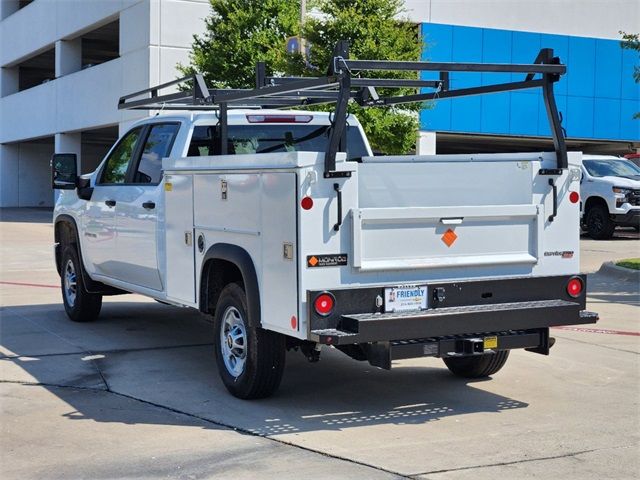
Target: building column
column 9, row 80
column 426, row 143
column 9, row 171
column 68, row 56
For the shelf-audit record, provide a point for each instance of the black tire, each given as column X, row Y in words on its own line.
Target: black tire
column 80, row 305
column 599, row 224
column 255, row 370
column 477, row 366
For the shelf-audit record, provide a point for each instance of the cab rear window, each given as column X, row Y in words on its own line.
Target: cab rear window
column 263, row 138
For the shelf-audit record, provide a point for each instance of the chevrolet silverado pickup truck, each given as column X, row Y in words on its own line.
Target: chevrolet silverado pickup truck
column 610, row 191
column 282, row 225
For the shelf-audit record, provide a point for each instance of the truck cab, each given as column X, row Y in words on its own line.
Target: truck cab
column 610, row 190
column 122, row 220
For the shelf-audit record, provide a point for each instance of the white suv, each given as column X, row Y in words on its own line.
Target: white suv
column 610, row 191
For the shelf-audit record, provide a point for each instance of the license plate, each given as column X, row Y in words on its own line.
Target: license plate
column 405, row 299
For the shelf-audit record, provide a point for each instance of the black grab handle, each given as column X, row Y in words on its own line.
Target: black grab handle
column 149, row 205
column 555, row 200
column 110, row 203
column 336, row 187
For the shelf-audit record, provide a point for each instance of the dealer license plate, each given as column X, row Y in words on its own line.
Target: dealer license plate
column 405, row 299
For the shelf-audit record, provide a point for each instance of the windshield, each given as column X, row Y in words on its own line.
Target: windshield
column 264, row 138
column 611, row 168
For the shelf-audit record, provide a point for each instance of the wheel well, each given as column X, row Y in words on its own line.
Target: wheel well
column 593, row 201
column 64, row 234
column 217, row 274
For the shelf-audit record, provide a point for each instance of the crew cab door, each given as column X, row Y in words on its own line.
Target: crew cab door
column 138, row 205
column 99, row 222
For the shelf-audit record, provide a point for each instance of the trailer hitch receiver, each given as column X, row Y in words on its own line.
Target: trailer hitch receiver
column 470, row 346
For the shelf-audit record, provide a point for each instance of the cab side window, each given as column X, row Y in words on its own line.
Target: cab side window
column 157, row 146
column 115, row 170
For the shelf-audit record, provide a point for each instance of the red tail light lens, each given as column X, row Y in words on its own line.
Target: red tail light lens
column 324, row 304
column 307, row 203
column 575, row 287
column 574, row 197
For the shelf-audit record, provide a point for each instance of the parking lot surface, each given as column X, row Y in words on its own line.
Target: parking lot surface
column 137, row 394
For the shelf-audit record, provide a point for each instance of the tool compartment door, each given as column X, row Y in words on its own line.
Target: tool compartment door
column 180, row 262
column 435, row 237
column 445, row 214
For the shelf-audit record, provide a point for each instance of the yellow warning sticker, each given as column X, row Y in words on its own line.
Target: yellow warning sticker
column 490, row 342
column 168, row 187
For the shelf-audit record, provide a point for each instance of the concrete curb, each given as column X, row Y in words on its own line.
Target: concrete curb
column 610, row 268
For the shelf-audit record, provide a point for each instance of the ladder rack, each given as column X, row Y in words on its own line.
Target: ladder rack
column 340, row 85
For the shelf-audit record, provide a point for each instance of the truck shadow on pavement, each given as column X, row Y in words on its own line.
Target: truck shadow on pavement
column 620, row 234
column 162, row 358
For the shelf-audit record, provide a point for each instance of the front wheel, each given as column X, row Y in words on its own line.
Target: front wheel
column 80, row 305
column 599, row 224
column 477, row 366
column 250, row 359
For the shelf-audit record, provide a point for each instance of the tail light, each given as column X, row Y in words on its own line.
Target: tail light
column 324, row 304
column 574, row 197
column 306, row 203
column 575, row 287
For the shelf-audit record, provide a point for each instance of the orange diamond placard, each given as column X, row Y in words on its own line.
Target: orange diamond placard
column 449, row 237
column 313, row 261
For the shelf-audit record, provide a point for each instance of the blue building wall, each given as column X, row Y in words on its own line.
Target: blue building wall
column 597, row 97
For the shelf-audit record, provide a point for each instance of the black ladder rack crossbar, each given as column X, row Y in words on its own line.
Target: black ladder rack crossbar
column 342, row 84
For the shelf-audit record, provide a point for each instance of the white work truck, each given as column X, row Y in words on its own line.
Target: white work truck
column 610, row 192
column 284, row 227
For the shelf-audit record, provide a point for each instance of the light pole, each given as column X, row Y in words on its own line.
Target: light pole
column 303, row 11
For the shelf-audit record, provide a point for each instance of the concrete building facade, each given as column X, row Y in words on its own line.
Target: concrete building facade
column 65, row 63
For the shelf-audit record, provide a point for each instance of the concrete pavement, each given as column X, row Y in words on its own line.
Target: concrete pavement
column 137, row 394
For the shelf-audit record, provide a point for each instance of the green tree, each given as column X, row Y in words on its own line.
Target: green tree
column 631, row 41
column 240, row 33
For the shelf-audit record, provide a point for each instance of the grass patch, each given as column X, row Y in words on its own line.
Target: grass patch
column 632, row 263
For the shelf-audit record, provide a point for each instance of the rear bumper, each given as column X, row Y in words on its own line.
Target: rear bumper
column 364, row 328
column 476, row 307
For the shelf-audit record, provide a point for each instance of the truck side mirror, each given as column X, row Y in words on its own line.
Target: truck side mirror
column 64, row 171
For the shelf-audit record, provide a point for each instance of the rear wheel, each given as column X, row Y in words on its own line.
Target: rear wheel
column 599, row 224
column 80, row 305
column 477, row 366
column 250, row 359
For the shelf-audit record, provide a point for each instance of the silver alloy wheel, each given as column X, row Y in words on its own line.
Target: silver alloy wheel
column 233, row 341
column 70, row 283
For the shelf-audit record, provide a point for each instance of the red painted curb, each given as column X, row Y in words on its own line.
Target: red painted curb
column 30, row 284
column 599, row 330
